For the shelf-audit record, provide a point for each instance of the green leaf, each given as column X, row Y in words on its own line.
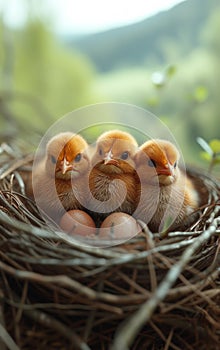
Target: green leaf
column 205, row 145
column 215, row 145
column 206, row 156
column 153, row 101
column 171, row 70
column 167, row 224
column 200, row 94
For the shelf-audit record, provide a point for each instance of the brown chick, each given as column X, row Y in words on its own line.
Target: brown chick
column 58, row 181
column 112, row 179
column 168, row 196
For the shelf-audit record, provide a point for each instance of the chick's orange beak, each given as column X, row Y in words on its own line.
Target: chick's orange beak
column 166, row 170
column 66, row 166
column 109, row 160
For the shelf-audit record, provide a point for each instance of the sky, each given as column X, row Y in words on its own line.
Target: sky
column 85, row 16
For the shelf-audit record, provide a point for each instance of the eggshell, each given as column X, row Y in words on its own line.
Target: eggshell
column 119, row 226
column 77, row 222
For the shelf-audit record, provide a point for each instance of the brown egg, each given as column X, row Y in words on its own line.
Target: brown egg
column 77, row 222
column 119, row 226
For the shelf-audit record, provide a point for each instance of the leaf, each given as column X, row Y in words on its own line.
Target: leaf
column 200, row 94
column 215, row 145
column 166, row 225
column 206, row 156
column 153, row 101
column 205, row 145
column 171, row 70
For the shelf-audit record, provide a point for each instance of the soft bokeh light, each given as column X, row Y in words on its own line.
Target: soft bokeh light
column 166, row 62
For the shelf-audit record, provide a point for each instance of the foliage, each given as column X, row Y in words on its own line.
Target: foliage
column 184, row 94
column 43, row 69
column 171, row 69
column 211, row 151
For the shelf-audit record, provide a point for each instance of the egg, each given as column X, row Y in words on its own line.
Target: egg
column 119, row 226
column 77, row 222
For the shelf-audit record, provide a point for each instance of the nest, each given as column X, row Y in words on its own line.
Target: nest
column 148, row 293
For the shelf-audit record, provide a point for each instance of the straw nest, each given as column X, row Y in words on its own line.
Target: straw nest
column 148, row 293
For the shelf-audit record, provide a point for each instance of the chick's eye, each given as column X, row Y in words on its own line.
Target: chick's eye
column 124, row 155
column 151, row 163
column 53, row 159
column 78, row 157
column 174, row 165
column 100, row 152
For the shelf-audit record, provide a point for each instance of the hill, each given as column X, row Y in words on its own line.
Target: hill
column 155, row 40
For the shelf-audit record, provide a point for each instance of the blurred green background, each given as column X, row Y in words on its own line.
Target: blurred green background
column 167, row 64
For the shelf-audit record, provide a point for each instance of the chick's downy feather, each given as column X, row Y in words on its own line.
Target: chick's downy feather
column 112, row 179
column 167, row 194
column 58, row 180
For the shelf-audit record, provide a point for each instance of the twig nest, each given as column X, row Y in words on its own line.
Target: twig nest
column 77, row 222
column 119, row 226
column 58, row 294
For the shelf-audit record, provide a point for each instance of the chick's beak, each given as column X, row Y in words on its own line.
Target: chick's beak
column 109, row 160
column 168, row 170
column 66, row 166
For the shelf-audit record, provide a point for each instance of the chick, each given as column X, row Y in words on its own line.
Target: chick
column 168, row 196
column 58, row 181
column 112, row 179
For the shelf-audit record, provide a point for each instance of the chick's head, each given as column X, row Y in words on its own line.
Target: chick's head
column 67, row 156
column 157, row 161
column 115, row 151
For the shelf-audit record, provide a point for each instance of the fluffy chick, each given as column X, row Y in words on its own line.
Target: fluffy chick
column 112, row 179
column 167, row 194
column 58, row 180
